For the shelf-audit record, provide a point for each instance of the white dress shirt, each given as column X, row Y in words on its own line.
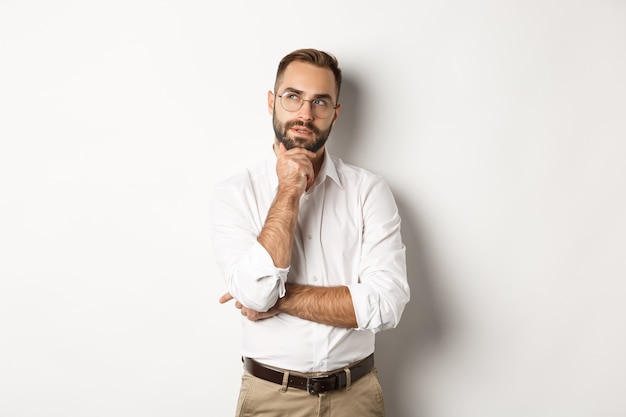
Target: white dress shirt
column 348, row 233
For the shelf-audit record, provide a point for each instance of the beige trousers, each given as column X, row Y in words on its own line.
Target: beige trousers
column 260, row 398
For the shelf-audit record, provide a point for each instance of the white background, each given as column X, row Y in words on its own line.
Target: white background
column 499, row 125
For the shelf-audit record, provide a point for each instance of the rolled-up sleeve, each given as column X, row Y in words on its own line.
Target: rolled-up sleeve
column 255, row 281
column 250, row 274
column 382, row 292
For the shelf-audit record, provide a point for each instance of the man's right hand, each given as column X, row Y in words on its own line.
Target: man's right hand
column 294, row 168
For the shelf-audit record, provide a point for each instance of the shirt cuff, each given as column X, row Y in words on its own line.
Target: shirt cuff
column 366, row 307
column 260, row 256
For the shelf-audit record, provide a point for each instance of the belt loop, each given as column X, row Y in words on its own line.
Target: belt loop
column 285, row 384
column 348, row 378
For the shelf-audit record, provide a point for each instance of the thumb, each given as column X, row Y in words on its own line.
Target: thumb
column 225, row 298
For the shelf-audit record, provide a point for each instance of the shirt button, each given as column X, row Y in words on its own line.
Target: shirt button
column 309, row 237
column 315, row 278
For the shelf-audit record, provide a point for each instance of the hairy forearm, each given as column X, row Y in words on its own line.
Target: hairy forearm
column 279, row 229
column 328, row 305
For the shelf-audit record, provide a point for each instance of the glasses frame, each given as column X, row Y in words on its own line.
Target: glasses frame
column 280, row 98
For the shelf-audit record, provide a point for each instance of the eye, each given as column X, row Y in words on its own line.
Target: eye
column 321, row 102
column 292, row 96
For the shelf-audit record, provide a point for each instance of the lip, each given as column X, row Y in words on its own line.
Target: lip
column 299, row 130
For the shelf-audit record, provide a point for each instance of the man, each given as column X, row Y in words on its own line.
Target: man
column 311, row 251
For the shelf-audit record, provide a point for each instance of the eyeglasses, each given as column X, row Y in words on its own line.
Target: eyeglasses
column 320, row 107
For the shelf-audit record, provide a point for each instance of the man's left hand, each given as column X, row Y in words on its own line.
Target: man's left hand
column 248, row 312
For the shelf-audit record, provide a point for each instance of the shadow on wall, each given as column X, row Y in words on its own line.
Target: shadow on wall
column 346, row 129
column 422, row 328
column 398, row 351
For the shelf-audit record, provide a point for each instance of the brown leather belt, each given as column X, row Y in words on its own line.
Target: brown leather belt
column 315, row 384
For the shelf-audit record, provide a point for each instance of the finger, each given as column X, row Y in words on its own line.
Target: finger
column 238, row 305
column 252, row 315
column 225, row 298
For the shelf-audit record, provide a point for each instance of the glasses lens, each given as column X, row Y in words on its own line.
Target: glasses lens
column 322, row 108
column 291, row 101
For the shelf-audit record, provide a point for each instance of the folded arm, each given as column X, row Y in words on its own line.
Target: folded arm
column 254, row 253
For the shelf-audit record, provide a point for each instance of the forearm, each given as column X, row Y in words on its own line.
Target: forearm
column 327, row 305
column 278, row 231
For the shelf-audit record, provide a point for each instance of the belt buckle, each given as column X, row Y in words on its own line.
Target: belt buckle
column 310, row 381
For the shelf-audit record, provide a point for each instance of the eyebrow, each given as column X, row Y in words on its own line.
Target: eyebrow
column 295, row 90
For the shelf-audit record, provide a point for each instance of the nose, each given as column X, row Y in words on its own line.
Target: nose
column 306, row 111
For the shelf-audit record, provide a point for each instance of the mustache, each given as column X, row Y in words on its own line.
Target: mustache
column 308, row 125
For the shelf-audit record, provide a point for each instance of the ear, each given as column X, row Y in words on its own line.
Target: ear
column 337, row 110
column 270, row 102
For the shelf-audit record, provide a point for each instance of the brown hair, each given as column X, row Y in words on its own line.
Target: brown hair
column 312, row 56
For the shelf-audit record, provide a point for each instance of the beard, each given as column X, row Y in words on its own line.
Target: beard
column 281, row 131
